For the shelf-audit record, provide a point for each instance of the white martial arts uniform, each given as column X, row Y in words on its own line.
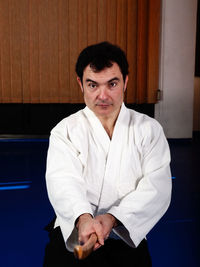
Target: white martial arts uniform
column 127, row 176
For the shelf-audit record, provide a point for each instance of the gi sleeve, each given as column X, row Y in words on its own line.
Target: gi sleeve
column 142, row 208
column 65, row 185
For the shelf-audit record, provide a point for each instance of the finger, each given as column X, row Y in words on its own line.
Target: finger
column 96, row 246
column 106, row 236
column 80, row 241
column 83, row 238
column 99, row 231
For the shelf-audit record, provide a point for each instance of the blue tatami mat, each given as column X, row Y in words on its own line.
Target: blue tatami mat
column 25, row 208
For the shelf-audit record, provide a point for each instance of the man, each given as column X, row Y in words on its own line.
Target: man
column 107, row 170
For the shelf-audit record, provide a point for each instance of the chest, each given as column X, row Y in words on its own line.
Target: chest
column 112, row 170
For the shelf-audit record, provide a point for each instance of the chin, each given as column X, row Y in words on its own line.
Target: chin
column 104, row 109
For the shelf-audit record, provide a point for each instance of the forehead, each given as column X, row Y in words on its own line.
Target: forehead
column 105, row 74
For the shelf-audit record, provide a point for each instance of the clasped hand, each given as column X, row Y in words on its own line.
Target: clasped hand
column 101, row 225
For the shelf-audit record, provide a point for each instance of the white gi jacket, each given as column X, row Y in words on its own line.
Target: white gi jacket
column 128, row 176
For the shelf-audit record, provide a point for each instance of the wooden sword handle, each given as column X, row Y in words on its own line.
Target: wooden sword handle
column 81, row 252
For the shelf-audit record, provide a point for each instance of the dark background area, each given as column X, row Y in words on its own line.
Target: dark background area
column 39, row 119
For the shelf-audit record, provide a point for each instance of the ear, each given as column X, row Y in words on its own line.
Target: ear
column 80, row 83
column 125, row 83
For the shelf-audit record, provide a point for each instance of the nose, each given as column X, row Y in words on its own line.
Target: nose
column 103, row 94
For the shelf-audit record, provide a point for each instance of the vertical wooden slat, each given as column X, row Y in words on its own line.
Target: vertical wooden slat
column 64, row 76
column 5, row 51
column 1, row 49
column 82, row 24
column 121, row 32
column 1, row 99
column 25, row 50
column 82, row 33
column 101, row 23
column 52, row 93
column 44, row 51
column 111, row 20
column 15, row 46
column 153, row 49
column 34, row 52
column 132, row 50
column 142, row 51
column 92, row 21
column 73, row 41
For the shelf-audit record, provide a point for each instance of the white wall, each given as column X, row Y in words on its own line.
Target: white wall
column 175, row 110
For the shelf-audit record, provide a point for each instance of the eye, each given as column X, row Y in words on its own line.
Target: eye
column 112, row 84
column 92, row 85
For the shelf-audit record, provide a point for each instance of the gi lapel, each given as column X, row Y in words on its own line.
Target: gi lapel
column 109, row 193
column 98, row 131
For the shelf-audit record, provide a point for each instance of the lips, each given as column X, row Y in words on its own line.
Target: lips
column 103, row 104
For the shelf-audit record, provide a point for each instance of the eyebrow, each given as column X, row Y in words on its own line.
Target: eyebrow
column 111, row 80
column 89, row 80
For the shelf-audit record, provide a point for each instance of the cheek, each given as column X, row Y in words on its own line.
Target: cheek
column 118, row 95
column 89, row 97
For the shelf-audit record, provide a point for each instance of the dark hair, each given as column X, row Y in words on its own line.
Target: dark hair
column 100, row 56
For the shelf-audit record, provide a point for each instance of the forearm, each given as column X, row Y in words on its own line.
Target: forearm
column 65, row 184
column 142, row 208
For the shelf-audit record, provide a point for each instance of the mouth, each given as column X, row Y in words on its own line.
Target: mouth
column 103, row 106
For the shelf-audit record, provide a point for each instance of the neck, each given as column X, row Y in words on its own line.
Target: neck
column 108, row 126
column 109, row 123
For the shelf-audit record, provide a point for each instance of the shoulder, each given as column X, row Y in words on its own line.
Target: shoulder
column 70, row 123
column 142, row 121
column 70, row 132
column 71, row 129
column 145, row 128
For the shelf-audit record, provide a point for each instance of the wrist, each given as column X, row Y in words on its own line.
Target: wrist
column 113, row 219
column 81, row 218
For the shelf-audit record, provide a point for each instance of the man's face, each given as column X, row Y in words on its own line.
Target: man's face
column 103, row 91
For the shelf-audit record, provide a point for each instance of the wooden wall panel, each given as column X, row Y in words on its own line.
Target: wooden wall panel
column 154, row 21
column 64, row 51
column 41, row 39
column 5, row 51
column 132, row 50
column 34, row 92
column 44, row 52
column 102, row 21
column 0, row 55
column 54, row 87
column 73, row 42
column 25, row 51
column 92, row 22
column 121, row 32
column 15, row 52
column 142, row 42
column 82, row 22
column 111, row 21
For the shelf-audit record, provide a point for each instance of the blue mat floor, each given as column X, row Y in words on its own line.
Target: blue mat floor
column 25, row 208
